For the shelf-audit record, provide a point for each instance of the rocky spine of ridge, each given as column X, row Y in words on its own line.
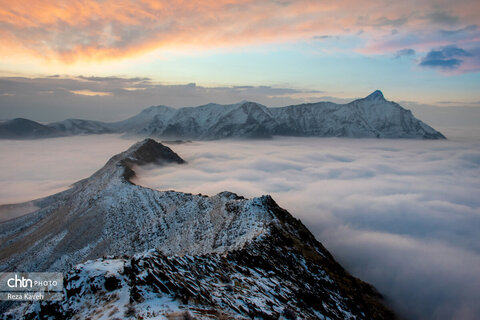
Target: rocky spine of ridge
column 370, row 117
column 285, row 274
column 167, row 253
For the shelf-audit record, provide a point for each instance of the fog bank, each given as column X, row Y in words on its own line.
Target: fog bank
column 403, row 215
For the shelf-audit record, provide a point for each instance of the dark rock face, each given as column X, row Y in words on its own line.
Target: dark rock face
column 146, row 152
column 166, row 252
column 150, row 151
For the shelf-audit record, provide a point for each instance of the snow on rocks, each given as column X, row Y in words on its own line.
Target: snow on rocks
column 133, row 252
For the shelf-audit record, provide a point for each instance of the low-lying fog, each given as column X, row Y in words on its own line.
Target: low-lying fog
column 402, row 215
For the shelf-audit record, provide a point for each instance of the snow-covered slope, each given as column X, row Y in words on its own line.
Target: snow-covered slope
column 370, row 117
column 267, row 279
column 106, row 214
column 166, row 252
column 150, row 120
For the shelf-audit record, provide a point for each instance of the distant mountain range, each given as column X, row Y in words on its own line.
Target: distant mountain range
column 370, row 117
column 137, row 253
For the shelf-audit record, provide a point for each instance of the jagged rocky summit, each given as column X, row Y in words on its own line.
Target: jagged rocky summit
column 370, row 117
column 131, row 252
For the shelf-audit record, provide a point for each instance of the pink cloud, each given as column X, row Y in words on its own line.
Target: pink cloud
column 75, row 30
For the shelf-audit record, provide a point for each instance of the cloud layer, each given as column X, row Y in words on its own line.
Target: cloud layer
column 56, row 98
column 402, row 215
column 39, row 168
column 74, row 30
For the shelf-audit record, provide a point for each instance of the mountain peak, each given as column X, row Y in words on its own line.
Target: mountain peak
column 155, row 109
column 376, row 95
column 147, row 151
column 151, row 151
column 246, row 102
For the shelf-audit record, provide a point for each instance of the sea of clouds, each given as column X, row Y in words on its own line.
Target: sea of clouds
column 403, row 215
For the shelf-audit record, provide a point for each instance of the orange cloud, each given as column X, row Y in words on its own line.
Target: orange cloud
column 91, row 93
column 79, row 30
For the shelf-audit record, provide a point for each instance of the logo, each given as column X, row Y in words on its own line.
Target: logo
column 30, row 286
column 19, row 283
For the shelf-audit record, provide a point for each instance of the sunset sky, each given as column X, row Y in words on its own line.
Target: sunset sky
column 277, row 51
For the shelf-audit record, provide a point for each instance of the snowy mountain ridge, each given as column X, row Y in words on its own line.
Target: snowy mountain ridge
column 106, row 214
column 133, row 252
column 370, row 117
